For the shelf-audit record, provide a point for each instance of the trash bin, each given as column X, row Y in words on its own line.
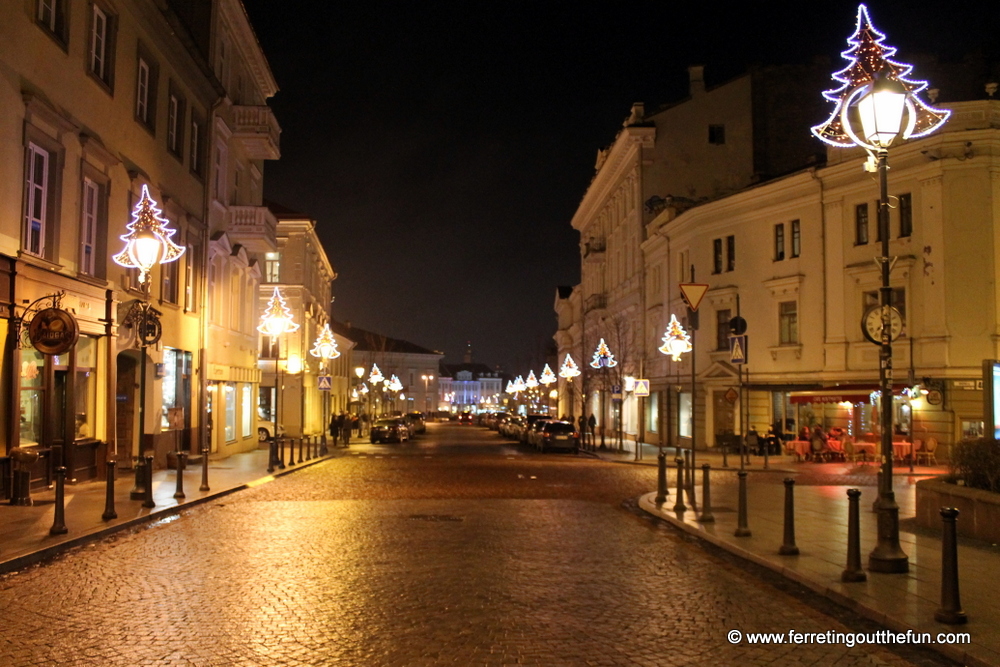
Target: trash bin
column 23, row 460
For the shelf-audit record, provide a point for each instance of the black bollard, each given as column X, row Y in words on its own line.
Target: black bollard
column 109, row 498
column 853, row 571
column 742, row 530
column 767, row 450
column 951, row 607
column 281, row 452
column 204, row 470
column 148, row 499
column 309, row 448
column 688, row 471
column 706, row 496
column 301, row 459
column 272, row 454
column 788, row 547
column 661, row 478
column 59, row 522
column 679, row 505
column 179, row 493
column 138, row 491
column 323, row 451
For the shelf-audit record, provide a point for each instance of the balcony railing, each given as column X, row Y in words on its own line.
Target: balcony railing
column 253, row 226
column 257, row 129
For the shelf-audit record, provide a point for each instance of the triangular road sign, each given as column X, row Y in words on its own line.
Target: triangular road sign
column 738, row 349
column 324, row 383
column 693, row 293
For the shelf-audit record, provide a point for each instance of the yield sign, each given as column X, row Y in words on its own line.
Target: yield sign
column 693, row 293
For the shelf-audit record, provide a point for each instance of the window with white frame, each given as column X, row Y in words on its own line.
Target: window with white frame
column 174, row 114
column 905, row 215
column 779, row 241
column 89, row 218
column 51, row 15
column 101, row 56
column 142, row 92
column 36, row 197
column 796, row 238
column 717, row 256
column 272, row 267
column 788, row 322
column 169, row 275
column 861, row 224
column 197, row 145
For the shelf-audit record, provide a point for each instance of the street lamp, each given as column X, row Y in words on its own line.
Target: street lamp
column 325, row 348
column 147, row 244
column 426, row 379
column 275, row 321
column 875, row 104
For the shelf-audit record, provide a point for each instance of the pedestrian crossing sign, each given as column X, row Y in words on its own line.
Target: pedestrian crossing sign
column 641, row 388
column 324, row 383
column 738, row 349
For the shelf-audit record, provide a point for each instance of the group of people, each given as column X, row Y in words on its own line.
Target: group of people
column 341, row 426
column 771, row 441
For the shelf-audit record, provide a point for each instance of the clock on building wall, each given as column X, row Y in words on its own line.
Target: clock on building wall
column 871, row 324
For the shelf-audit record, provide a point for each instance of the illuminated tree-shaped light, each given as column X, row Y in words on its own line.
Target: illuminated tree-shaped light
column 871, row 73
column 376, row 375
column 277, row 318
column 519, row 385
column 569, row 369
column 510, row 387
column 148, row 240
column 395, row 384
column 325, row 346
column 603, row 357
column 532, row 381
column 547, row 377
column 364, row 388
column 675, row 340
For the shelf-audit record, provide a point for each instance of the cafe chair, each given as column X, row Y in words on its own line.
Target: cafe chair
column 926, row 455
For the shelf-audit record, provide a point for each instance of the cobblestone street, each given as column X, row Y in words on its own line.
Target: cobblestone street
column 454, row 549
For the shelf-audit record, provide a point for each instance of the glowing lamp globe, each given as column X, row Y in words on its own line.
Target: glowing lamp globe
column 145, row 250
column 325, row 346
column 881, row 109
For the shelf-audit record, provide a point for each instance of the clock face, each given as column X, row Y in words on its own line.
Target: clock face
column 871, row 324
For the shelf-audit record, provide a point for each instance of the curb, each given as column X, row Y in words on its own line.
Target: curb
column 646, row 504
column 46, row 553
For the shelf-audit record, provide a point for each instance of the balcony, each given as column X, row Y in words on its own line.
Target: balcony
column 595, row 302
column 257, row 130
column 594, row 250
column 254, row 227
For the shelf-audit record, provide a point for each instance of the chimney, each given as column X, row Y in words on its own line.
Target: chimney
column 696, row 76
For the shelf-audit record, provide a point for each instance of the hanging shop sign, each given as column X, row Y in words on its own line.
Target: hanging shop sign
column 53, row 331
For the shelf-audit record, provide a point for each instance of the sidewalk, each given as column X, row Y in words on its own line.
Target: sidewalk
column 900, row 602
column 24, row 531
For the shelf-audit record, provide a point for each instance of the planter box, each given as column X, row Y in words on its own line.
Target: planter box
column 979, row 511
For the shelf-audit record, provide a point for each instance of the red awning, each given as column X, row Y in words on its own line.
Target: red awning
column 843, row 394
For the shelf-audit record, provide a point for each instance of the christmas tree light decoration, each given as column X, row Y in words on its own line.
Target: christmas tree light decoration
column 148, row 240
column 325, row 346
column 277, row 318
column 395, row 384
column 519, row 385
column 376, row 375
column 675, row 340
column 510, row 387
column 532, row 381
column 871, row 70
column 547, row 377
column 569, row 369
column 603, row 357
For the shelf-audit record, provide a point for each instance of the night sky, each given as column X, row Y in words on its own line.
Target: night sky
column 444, row 147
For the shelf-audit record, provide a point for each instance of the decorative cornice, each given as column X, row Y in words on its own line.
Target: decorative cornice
column 621, row 158
column 245, row 39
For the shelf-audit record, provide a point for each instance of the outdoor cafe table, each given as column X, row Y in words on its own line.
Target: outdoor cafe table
column 902, row 450
column 801, row 448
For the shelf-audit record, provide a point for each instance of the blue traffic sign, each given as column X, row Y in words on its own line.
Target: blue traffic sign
column 324, row 383
column 738, row 350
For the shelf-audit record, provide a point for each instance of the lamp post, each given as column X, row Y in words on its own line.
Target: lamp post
column 147, row 244
column 875, row 104
column 426, row 379
column 275, row 321
column 325, row 348
column 362, row 392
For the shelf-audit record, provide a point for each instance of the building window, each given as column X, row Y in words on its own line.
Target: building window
column 717, row 134
column 192, row 263
column 788, row 322
column 175, row 124
column 272, row 267
column 722, row 318
column 230, row 411
column 32, row 382
column 197, row 146
column 86, row 387
column 268, row 347
column 717, row 256
column 102, row 45
column 684, row 414
column 905, row 215
column 861, row 224
column 51, row 15
column 169, row 273
column 176, row 385
column 88, row 226
column 796, row 238
column 730, row 253
column 36, row 198
column 219, row 186
column 247, row 410
column 779, row 242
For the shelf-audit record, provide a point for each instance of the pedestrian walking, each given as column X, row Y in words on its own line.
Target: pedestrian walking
column 346, row 426
column 592, row 423
column 356, row 424
column 335, row 428
column 583, row 429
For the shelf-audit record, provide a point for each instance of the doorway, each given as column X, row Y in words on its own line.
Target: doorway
column 126, row 388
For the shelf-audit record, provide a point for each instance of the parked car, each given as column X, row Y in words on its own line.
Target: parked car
column 534, row 432
column 510, row 426
column 557, row 435
column 531, row 419
column 416, row 422
column 465, row 418
column 392, row 429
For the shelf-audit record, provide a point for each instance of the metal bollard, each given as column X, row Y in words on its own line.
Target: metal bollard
column 109, row 498
column 59, row 522
column 951, row 607
column 272, row 454
column 138, row 491
column 741, row 524
column 661, row 478
column 679, row 505
column 204, row 470
column 853, row 571
column 706, row 496
column 301, row 458
column 179, row 492
column 323, row 451
column 281, row 452
column 767, row 452
column 788, row 547
column 309, row 448
column 148, row 499
column 688, row 471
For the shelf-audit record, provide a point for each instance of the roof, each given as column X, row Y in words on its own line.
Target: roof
column 477, row 370
column 369, row 341
column 281, row 211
